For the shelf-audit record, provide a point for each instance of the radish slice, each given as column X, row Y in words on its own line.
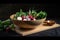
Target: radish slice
column 24, row 19
column 28, row 19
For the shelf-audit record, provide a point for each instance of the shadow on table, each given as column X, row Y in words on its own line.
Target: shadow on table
column 50, row 32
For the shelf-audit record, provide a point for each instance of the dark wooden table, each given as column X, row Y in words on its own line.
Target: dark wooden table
column 51, row 32
column 7, row 9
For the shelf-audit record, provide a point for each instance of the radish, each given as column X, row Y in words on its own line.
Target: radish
column 30, row 16
column 24, row 19
column 28, row 19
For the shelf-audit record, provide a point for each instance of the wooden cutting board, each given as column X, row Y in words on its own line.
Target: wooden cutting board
column 37, row 29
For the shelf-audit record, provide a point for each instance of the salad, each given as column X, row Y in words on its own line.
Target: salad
column 30, row 15
column 6, row 25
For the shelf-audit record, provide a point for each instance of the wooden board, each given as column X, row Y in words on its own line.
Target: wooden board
column 37, row 29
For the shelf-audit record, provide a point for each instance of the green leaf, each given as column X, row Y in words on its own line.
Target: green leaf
column 6, row 22
column 1, row 25
column 34, row 13
column 5, row 26
column 26, row 13
column 12, row 26
column 22, row 13
column 41, row 15
column 17, row 14
column 0, row 22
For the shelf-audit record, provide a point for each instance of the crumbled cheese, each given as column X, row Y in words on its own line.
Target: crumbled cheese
column 19, row 18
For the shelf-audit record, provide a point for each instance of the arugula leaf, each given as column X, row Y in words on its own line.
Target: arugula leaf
column 7, row 22
column 17, row 14
column 34, row 13
column 26, row 13
column 1, row 25
column 22, row 13
column 41, row 15
column 5, row 26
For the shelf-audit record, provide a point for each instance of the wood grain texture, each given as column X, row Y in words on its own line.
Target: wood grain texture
column 37, row 29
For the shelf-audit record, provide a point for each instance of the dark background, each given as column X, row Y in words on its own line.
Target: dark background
column 52, row 10
column 8, row 9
